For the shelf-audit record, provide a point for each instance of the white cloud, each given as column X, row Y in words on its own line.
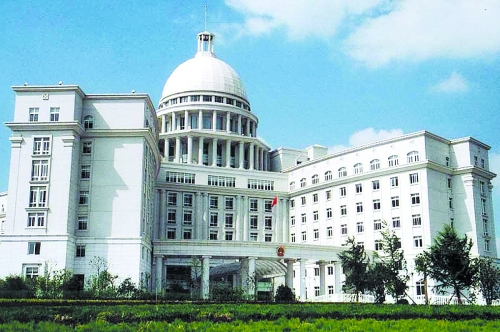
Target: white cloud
column 416, row 30
column 454, row 83
column 365, row 136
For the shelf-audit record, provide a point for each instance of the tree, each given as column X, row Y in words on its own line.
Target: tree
column 355, row 264
column 450, row 262
column 488, row 279
column 422, row 265
column 101, row 282
column 377, row 276
column 284, row 294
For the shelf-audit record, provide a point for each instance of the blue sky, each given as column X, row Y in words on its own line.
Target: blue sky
column 336, row 73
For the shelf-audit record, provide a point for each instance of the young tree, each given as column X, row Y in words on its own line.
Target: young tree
column 422, row 266
column 450, row 262
column 355, row 264
column 488, row 279
column 377, row 276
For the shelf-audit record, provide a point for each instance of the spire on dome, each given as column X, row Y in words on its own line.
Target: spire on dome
column 206, row 43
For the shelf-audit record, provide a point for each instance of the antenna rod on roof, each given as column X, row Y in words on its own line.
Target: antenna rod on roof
column 205, row 21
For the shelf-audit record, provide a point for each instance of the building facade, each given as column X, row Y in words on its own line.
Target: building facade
column 188, row 194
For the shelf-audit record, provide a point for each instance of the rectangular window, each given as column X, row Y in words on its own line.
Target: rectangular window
column 316, row 273
column 85, row 172
column 486, row 245
column 376, row 185
column 31, row 272
column 34, row 248
column 83, row 223
column 377, row 224
column 396, row 222
column 229, row 220
column 315, row 216
column 329, row 231
column 171, row 233
column 41, row 145
column 415, row 199
column 84, row 197
column 254, row 237
column 303, row 200
column 303, row 218
column 395, row 201
column 172, row 198
column 417, row 220
column 481, row 187
column 214, row 219
column 187, row 217
column 482, row 163
column 315, row 198
column 213, row 235
column 253, row 222
column 328, row 194
column 261, row 184
column 33, row 114
column 316, row 290
column 229, row 203
column 450, row 202
column 376, row 204
column 187, row 200
column 177, row 177
column 316, row 234
column 40, row 170
column 292, row 237
column 171, row 216
column 292, row 203
column 329, row 213
column 292, row 220
column 394, row 181
column 343, row 229
column 359, row 207
column 413, row 178
column 268, row 223
column 342, row 191
column 267, row 205
column 420, row 288
column 36, row 219
column 194, row 98
column 449, row 183
column 54, row 114
column 187, row 234
column 329, row 270
column 207, row 98
column 343, row 210
column 87, row 147
column 254, row 205
column 359, row 188
column 330, row 290
column 483, row 206
column 80, row 250
column 221, row 181
column 360, row 227
column 229, row 235
column 485, row 227
column 304, row 236
column 214, row 202
column 378, row 244
column 38, row 196
column 418, row 242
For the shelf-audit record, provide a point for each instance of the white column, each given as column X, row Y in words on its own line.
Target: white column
column 200, row 150
column 174, row 123
column 199, row 218
column 187, row 125
column 289, row 273
column 261, row 159
column 205, row 277
column 204, row 223
column 248, row 127
column 157, row 207
column 266, row 156
column 166, row 148
column 163, row 204
column 228, row 153
column 200, row 119
column 322, row 278
column 177, row 149
column 302, row 280
column 238, row 223
column 159, row 273
column 284, row 219
column 251, row 156
column 244, row 209
column 257, row 158
column 214, row 120
column 252, row 283
column 239, row 125
column 214, row 152
column 190, row 150
column 163, row 124
column 241, row 157
column 244, row 273
column 337, row 270
column 228, row 122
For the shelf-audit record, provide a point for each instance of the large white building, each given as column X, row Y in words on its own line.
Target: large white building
column 189, row 191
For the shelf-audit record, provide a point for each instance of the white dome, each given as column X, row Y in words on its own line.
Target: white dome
column 206, row 73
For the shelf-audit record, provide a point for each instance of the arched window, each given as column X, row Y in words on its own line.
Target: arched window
column 358, row 168
column 292, row 185
column 393, row 161
column 303, row 182
column 374, row 164
column 342, row 172
column 328, row 176
column 413, row 157
column 88, row 122
column 315, row 179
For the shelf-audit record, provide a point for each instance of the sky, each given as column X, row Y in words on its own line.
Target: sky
column 336, row 73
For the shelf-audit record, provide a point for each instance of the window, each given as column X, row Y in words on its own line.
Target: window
column 183, row 99
column 229, row 235
column 482, row 163
column 88, row 122
column 80, row 250
column 481, row 187
column 395, row 201
column 188, row 200
column 214, row 202
column 418, row 242
column 343, row 229
column 292, row 185
column 330, row 290
column 417, row 220
column 396, row 222
column 415, row 199
column 194, row 98
column 229, row 101
column 360, row 227
column 41, row 145
column 254, row 237
column 229, row 203
column 254, row 205
column 359, row 188
column 85, row 172
column 315, row 198
column 40, row 170
column 292, row 237
column 377, row 224
column 303, row 200
column 292, row 220
column 54, row 114
column 177, row 177
column 268, row 238
column 36, row 219
column 303, row 218
column 268, row 205
column 38, row 196
column 316, row 234
column 34, row 248
column 213, row 235
column 31, row 272
column 394, row 181
column 342, row 172
column 304, row 236
column 187, row 217
column 376, row 185
column 214, row 219
column 420, row 288
column 260, row 184
column 84, row 197
column 268, row 223
column 171, row 233
column 253, row 222
column 449, row 183
column 303, row 182
column 172, row 198
column 328, row 176
column 292, row 203
column 359, row 207
column 187, row 234
column 315, row 179
column 483, row 206
column 378, row 244
column 343, row 210
column 328, row 195
column 342, row 191
column 393, row 161
column 329, row 270
column 171, row 216
column 329, row 213
column 413, row 178
column 412, row 157
column 450, row 202
column 358, row 168
column 376, row 204
column 221, row 181
column 486, row 244
column 87, row 147
column 374, row 164
column 329, row 231
column 33, row 114
column 207, row 98
column 485, row 227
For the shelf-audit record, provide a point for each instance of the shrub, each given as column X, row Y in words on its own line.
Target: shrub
column 284, row 294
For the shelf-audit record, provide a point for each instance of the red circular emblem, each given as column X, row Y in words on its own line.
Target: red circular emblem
column 280, row 251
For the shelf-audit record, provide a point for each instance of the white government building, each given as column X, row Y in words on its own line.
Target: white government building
column 185, row 191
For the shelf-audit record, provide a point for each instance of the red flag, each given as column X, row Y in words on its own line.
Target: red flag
column 274, row 202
